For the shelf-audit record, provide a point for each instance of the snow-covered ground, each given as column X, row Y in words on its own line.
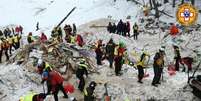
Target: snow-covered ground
column 14, row 82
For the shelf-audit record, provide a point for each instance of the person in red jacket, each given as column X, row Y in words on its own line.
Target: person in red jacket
column 128, row 28
column 54, row 83
column 79, row 40
column 174, row 30
column 43, row 37
column 188, row 62
column 17, row 30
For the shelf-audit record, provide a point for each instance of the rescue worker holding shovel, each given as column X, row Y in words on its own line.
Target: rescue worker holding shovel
column 141, row 65
column 80, row 74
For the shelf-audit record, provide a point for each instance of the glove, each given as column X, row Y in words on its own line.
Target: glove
column 42, row 81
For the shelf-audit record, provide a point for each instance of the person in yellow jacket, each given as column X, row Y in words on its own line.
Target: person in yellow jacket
column 10, row 41
column 16, row 41
column 141, row 65
column 30, row 38
column 72, row 39
column 43, row 66
column 33, row 97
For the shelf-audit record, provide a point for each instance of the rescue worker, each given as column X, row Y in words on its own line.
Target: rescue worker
column 74, row 29
column 79, row 40
column 1, row 49
column 187, row 61
column 177, row 57
column 60, row 34
column 55, row 83
column 118, row 62
column 89, row 92
column 141, row 65
column 158, row 66
column 20, row 29
column 110, row 51
column 114, row 28
column 43, row 66
column 72, row 39
column 10, row 41
column 43, row 37
column 174, row 30
column 37, row 26
column 128, row 28
column 109, row 27
column 4, row 49
column 80, row 74
column 33, row 97
column 145, row 10
column 99, row 54
column 1, row 34
column 135, row 31
column 30, row 38
column 16, row 41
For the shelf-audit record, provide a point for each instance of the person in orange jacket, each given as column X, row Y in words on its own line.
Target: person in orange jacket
column 55, row 83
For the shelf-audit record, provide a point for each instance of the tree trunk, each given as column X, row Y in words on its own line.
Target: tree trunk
column 165, row 1
column 173, row 3
column 193, row 2
column 156, row 9
column 150, row 2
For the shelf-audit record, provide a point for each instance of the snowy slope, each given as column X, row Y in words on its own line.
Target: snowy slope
column 50, row 12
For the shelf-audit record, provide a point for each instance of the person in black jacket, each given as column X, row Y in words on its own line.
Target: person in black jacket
column 89, row 92
column 80, row 74
column 110, row 52
column 135, row 31
column 109, row 27
column 30, row 38
column 158, row 67
column 120, row 26
column 99, row 55
column 114, row 28
column 177, row 57
column 74, row 29
column 1, row 33
column 118, row 62
column 5, row 32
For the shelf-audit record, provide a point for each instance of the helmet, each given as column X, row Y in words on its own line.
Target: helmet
column 40, row 62
column 92, row 84
column 161, row 49
column 82, row 61
column 42, row 95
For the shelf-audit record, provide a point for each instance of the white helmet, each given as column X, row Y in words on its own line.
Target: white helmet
column 40, row 61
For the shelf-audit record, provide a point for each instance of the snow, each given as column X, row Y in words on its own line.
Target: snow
column 14, row 82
